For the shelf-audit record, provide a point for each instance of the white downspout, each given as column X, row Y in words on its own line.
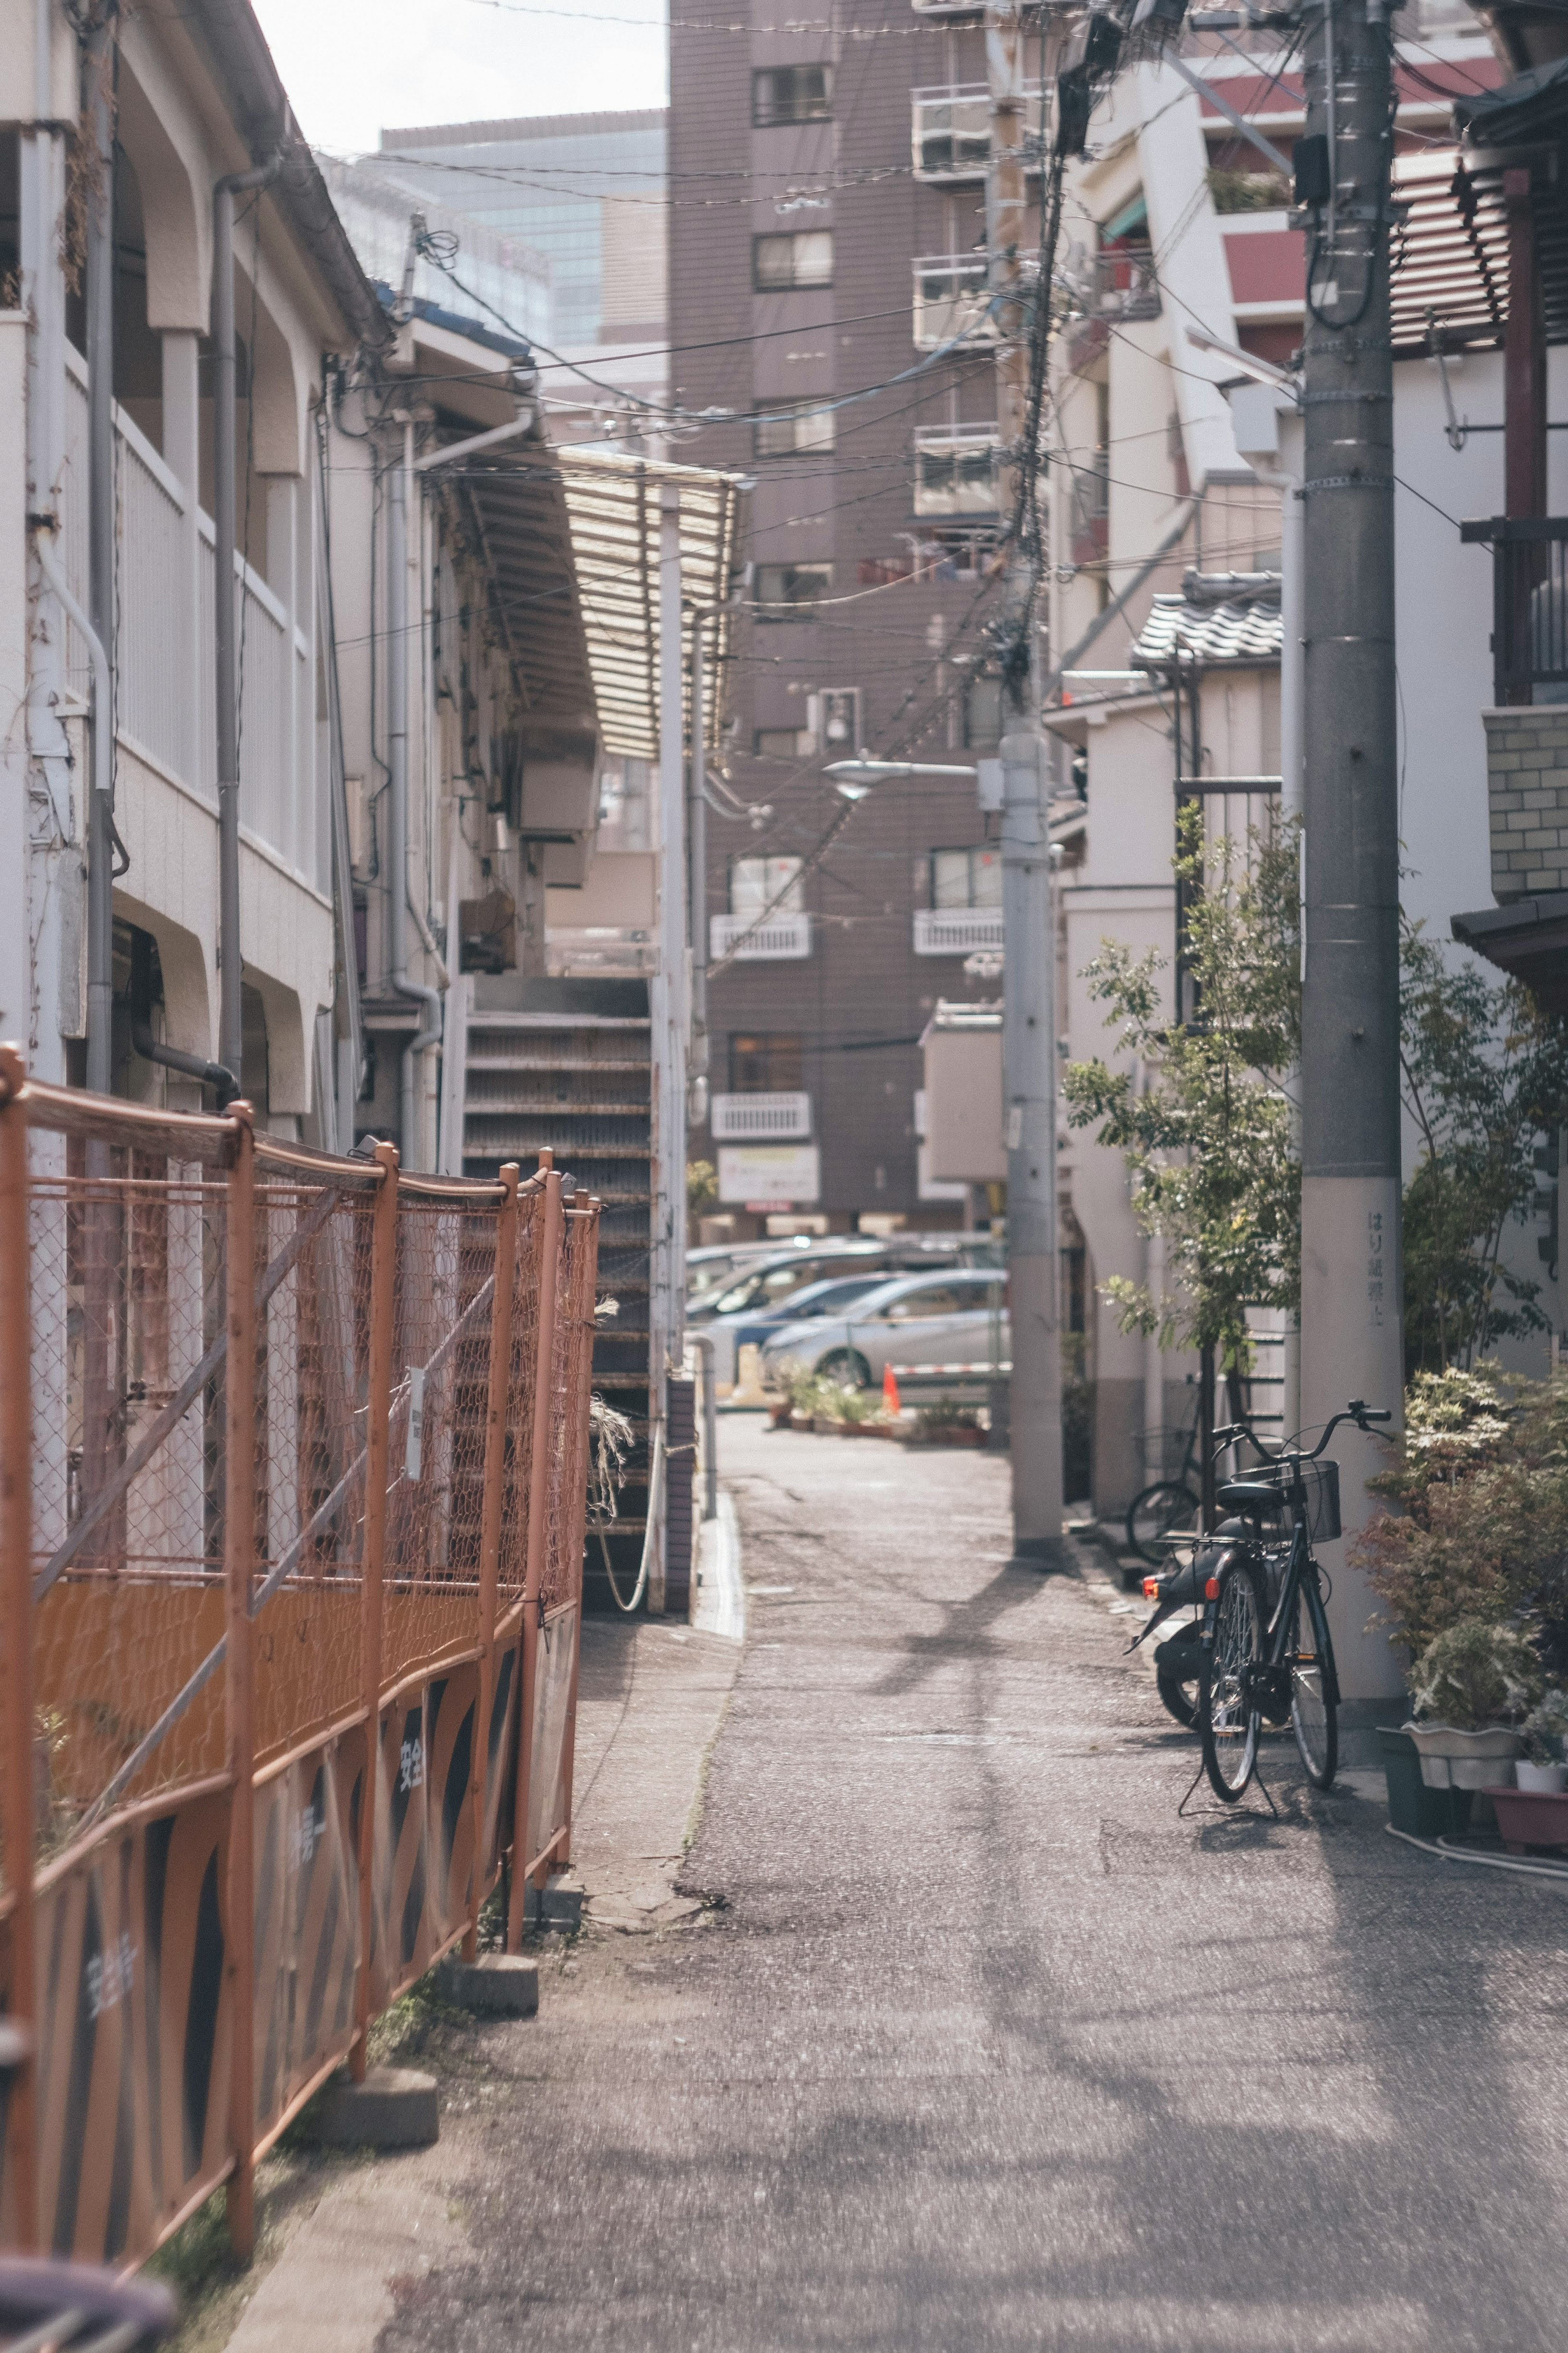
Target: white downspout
column 397, row 625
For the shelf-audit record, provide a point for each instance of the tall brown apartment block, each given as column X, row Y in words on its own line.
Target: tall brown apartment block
column 827, row 237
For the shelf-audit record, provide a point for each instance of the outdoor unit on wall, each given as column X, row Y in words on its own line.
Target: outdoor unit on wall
column 833, row 720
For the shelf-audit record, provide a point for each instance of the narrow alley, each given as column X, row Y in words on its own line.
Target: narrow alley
column 979, row 2045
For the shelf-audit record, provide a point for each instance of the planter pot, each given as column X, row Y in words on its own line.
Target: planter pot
column 1531, row 1818
column 1542, row 1780
column 1413, row 1807
column 1451, row 1759
column 954, row 1434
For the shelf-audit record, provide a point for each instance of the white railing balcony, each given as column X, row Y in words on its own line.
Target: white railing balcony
column 167, row 696
column 777, row 938
column 760, row 1118
column 951, row 131
column 952, row 298
column 955, row 469
column 957, row 931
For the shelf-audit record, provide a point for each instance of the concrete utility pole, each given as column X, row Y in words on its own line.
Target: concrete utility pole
column 1029, row 1020
column 1352, row 1339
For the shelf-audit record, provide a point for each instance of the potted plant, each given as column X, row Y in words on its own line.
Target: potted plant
column 1473, row 1687
column 945, row 1422
column 1545, row 1729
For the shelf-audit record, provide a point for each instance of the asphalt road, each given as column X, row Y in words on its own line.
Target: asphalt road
column 986, row 2047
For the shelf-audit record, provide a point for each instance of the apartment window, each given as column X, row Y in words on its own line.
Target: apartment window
column 757, row 882
column 982, row 711
column 770, row 1064
column 790, row 425
column 789, row 592
column 791, row 94
column 784, row 742
column 966, row 878
column 803, row 259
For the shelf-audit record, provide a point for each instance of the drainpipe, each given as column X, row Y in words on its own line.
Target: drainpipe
column 397, row 624
column 223, row 1084
column 231, row 1019
column 99, row 290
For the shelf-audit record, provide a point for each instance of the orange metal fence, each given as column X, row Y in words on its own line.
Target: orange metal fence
column 292, row 1479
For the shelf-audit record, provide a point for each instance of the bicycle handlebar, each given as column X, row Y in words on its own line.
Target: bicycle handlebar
column 1358, row 1411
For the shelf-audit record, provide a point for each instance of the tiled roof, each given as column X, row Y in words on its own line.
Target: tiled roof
column 1241, row 629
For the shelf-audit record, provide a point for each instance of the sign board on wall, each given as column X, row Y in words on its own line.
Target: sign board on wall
column 780, row 1174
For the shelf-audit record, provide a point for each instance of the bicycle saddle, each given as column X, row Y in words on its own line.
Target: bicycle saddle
column 1249, row 1495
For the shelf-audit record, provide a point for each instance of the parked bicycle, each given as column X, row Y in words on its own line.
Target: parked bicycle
column 1260, row 1648
column 1169, row 1505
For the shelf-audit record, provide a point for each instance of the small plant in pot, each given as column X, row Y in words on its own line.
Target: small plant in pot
column 1474, row 1686
column 1545, row 1730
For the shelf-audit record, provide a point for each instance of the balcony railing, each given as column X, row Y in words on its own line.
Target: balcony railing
column 1122, row 283
column 166, row 694
column 952, row 298
column 1530, row 604
column 777, row 939
column 957, row 931
column 951, row 131
column 760, row 1118
column 955, row 470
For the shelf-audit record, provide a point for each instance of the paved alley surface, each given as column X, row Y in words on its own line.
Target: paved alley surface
column 983, row 2046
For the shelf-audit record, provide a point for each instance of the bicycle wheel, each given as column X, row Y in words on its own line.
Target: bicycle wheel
column 1159, row 1511
column 1314, row 1687
column 1228, row 1716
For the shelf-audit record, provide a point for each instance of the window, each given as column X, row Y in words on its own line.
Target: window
column 982, row 711
column 803, row 259
column 916, row 1306
column 792, row 425
column 966, row 878
column 768, row 1064
column 784, row 742
column 791, row 94
column 787, row 592
column 756, row 882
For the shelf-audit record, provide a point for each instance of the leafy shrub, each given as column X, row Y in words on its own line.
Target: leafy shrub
column 946, row 1413
column 1545, row 1730
column 1479, row 1528
column 1478, row 1674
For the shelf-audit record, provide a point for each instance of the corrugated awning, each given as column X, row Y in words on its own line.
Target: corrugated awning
column 571, row 539
column 1449, row 266
column 612, row 500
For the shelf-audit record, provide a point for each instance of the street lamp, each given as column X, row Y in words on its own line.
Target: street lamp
column 853, row 778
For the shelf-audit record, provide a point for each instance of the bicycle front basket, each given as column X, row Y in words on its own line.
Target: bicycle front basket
column 1320, row 1490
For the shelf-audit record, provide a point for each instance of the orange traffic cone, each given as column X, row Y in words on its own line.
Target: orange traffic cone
column 891, row 1401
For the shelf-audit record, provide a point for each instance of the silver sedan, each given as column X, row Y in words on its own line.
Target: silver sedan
column 958, row 1316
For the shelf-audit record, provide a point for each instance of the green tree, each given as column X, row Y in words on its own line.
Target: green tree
column 1207, row 1136
column 1485, row 1072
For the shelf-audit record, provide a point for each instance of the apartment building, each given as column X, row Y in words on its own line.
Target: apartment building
column 583, row 197
column 826, row 238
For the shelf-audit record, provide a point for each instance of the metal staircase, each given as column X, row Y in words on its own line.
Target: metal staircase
column 565, row 1065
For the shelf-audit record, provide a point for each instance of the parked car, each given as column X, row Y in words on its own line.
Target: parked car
column 730, row 1333
column 769, row 1281
column 952, row 1316
column 715, row 1265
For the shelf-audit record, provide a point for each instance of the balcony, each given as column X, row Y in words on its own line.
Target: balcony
column 760, row 1118
column 778, row 938
column 952, row 298
column 957, row 931
column 951, row 131
column 955, row 469
column 1123, row 284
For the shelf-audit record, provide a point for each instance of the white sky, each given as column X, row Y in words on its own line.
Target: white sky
column 353, row 65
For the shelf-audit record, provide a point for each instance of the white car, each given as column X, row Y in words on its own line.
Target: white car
column 958, row 1316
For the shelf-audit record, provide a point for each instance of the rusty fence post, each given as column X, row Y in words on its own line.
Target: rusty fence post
column 16, row 1631
column 377, row 1415
column 238, row 1561
column 490, row 1527
column 586, row 1287
column 534, row 1572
